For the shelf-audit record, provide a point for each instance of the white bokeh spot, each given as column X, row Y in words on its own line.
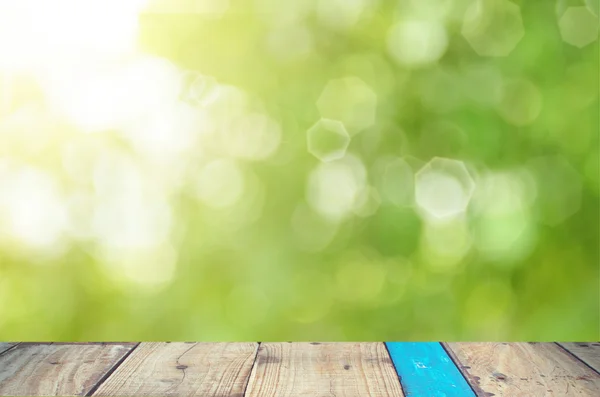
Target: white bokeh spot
column 334, row 188
column 32, row 208
column 416, row 43
column 443, row 188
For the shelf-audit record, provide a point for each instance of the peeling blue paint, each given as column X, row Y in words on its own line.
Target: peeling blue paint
column 425, row 370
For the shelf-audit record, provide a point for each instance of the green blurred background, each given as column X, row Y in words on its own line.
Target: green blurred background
column 300, row 170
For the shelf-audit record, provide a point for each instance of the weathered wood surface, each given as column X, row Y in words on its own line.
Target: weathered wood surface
column 323, row 369
column 183, row 369
column 524, row 369
column 587, row 352
column 5, row 346
column 57, row 369
column 299, row 369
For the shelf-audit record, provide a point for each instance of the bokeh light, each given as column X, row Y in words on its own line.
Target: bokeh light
column 33, row 212
column 443, row 188
column 594, row 6
column 349, row 100
column 445, row 244
column 220, row 184
column 415, row 43
column 44, row 31
column 579, row 26
column 334, row 188
column 307, row 169
column 504, row 227
column 328, row 140
column 493, row 28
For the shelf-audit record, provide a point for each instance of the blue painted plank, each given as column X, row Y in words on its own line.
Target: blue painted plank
column 425, row 370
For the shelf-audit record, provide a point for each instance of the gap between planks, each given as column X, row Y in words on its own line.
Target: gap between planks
column 183, row 369
column 111, row 370
column 387, row 349
column 586, row 352
column 6, row 346
column 56, row 368
column 425, row 369
column 523, row 369
column 508, row 369
column 244, row 393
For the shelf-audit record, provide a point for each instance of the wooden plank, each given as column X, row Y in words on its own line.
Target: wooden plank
column 425, row 369
column 183, row 369
column 588, row 352
column 323, row 369
column 4, row 346
column 32, row 369
column 524, row 369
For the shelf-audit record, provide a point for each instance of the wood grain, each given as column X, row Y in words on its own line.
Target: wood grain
column 56, row 369
column 523, row 369
column 588, row 352
column 323, row 369
column 5, row 346
column 183, row 369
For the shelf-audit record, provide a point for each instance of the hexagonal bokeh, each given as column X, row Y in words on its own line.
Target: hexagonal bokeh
column 559, row 188
column 493, row 27
column 349, row 100
column 564, row 5
column 443, row 188
column 328, row 140
column 578, row 26
column 416, row 43
column 594, row 6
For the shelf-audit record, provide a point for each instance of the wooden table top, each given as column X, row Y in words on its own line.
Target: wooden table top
column 300, row 369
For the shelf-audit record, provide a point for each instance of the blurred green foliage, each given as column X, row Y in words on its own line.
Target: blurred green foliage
column 384, row 271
